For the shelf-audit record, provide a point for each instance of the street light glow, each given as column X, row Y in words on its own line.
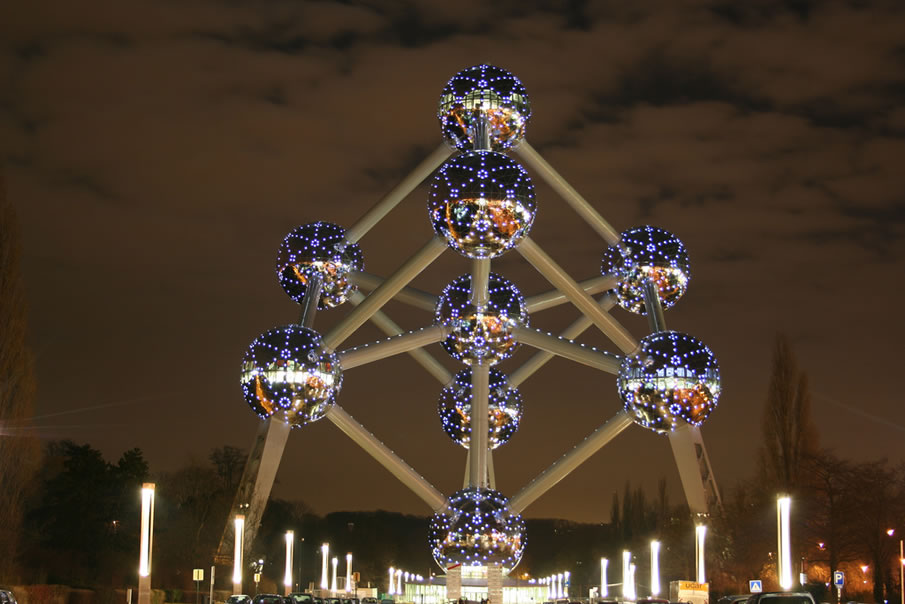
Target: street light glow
column 603, row 580
column 655, row 568
column 700, row 534
column 325, row 549
column 784, row 506
column 147, row 529
column 237, row 549
column 290, row 543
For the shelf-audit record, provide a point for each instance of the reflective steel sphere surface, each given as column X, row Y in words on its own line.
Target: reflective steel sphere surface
column 318, row 248
column 647, row 253
column 504, row 407
column 488, row 93
column 288, row 374
column 482, row 202
column 481, row 335
column 476, row 529
column 672, row 380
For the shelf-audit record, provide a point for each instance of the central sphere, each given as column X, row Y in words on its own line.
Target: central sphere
column 482, row 202
column 481, row 334
column 504, row 409
column 477, row 528
column 318, row 248
column 647, row 253
column 484, row 93
column 287, row 373
column 671, row 381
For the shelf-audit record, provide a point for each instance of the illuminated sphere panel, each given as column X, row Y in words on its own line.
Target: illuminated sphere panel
column 318, row 248
column 647, row 253
column 476, row 529
column 482, row 203
column 481, row 335
column 287, row 373
column 489, row 93
column 671, row 381
column 504, row 407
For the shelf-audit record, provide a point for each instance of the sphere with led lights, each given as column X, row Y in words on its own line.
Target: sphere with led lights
column 672, row 380
column 318, row 248
column 477, row 528
column 288, row 374
column 482, row 202
column 488, row 94
column 481, row 334
column 647, row 253
column 504, row 409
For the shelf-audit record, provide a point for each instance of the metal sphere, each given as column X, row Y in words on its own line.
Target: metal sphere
column 484, row 92
column 671, row 381
column 504, row 406
column 318, row 248
column 647, row 253
column 482, row 202
column 287, row 373
column 481, row 335
column 477, row 528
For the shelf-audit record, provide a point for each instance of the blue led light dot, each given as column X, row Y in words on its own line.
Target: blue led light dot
column 287, row 373
column 477, row 528
column 504, row 408
column 489, row 93
column 318, row 247
column 647, row 253
column 484, row 334
column 672, row 380
column 482, row 203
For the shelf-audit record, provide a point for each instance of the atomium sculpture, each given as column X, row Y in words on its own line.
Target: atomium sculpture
column 481, row 204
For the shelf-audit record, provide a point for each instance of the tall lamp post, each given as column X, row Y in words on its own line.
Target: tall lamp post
column 290, row 547
column 147, row 536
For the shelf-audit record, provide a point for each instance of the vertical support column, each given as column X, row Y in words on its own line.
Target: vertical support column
column 494, row 584
column 454, row 583
column 654, row 307
column 480, row 392
column 147, row 542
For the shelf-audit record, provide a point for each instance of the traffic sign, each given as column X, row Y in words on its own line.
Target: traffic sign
column 198, row 574
column 755, row 586
column 838, row 578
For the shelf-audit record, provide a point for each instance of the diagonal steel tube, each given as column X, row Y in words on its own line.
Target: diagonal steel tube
column 568, row 349
column 571, row 460
column 408, row 295
column 571, row 332
column 389, row 460
column 478, row 443
column 421, row 356
column 312, row 296
column 377, row 298
column 585, row 303
column 393, row 345
column 568, row 193
column 398, row 193
column 554, row 297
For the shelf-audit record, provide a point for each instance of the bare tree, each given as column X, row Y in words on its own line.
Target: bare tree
column 18, row 452
column 789, row 435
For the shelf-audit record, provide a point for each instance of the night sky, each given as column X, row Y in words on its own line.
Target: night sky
column 158, row 152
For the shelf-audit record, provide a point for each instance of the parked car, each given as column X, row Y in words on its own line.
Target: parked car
column 7, row 597
column 734, row 599
column 268, row 599
column 301, row 597
column 369, row 600
column 781, row 597
column 238, row 599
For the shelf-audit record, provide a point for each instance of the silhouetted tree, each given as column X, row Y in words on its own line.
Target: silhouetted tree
column 229, row 462
column 18, row 451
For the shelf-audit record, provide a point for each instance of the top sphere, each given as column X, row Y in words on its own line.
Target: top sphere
column 484, row 92
column 647, row 253
column 318, row 248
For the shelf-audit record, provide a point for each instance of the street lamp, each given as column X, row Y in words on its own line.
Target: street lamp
column 237, row 553
column 290, row 547
column 783, row 509
column 604, row 592
column 147, row 536
column 655, row 568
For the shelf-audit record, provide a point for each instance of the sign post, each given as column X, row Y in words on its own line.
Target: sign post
column 755, row 586
column 838, row 582
column 197, row 577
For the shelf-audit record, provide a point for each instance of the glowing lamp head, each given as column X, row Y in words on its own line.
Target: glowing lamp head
column 477, row 528
column 647, row 253
column 482, row 203
column 318, row 248
column 287, row 373
column 504, row 408
column 484, row 93
column 481, row 334
column 672, row 380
